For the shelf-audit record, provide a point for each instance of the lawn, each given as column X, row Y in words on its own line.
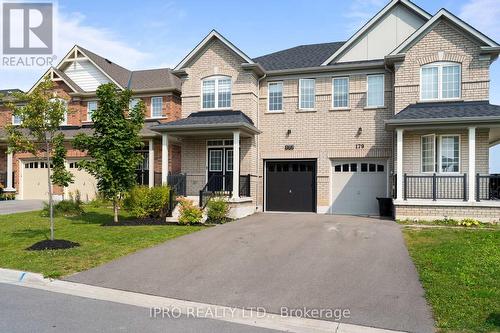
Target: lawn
column 460, row 272
column 98, row 243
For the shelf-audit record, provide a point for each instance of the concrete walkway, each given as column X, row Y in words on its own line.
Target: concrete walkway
column 18, row 206
column 284, row 261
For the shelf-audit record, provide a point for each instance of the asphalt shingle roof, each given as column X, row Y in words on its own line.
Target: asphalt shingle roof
column 448, row 110
column 161, row 78
column 302, row 56
column 209, row 118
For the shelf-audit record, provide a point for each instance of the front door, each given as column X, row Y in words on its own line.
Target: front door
column 220, row 169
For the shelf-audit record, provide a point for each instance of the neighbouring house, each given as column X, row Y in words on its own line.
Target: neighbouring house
column 401, row 109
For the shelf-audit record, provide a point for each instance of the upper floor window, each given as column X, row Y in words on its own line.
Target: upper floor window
column 91, row 107
column 133, row 102
column 65, row 106
column 440, row 81
column 375, row 90
column 156, row 107
column 307, row 94
column 275, row 96
column 16, row 120
column 216, row 92
column 340, row 86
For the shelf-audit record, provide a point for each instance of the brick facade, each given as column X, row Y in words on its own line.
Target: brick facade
column 431, row 212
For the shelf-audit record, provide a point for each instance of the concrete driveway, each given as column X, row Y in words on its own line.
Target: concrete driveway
column 18, row 206
column 284, row 260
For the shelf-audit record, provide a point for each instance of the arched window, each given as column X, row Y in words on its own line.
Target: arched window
column 440, row 80
column 216, row 92
column 65, row 105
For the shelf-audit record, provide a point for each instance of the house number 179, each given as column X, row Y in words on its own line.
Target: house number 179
column 360, row 146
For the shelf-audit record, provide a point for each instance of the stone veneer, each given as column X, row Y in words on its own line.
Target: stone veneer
column 479, row 212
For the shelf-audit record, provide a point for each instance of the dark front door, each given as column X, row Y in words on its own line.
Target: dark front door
column 291, row 186
column 220, row 169
column 142, row 171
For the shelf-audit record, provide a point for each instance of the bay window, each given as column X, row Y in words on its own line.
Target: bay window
column 216, row 92
column 340, row 86
column 440, row 81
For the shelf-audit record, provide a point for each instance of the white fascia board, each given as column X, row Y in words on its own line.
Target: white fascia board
column 207, row 39
column 429, row 24
column 373, row 21
column 48, row 72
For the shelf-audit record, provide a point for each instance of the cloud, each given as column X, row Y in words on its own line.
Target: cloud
column 483, row 15
column 361, row 11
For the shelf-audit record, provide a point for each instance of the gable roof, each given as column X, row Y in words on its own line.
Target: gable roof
column 61, row 76
column 302, row 56
column 372, row 22
column 443, row 13
column 207, row 39
column 161, row 78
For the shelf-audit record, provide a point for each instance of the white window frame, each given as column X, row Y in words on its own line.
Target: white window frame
column 16, row 123
column 300, row 95
column 459, row 154
column 89, row 118
column 132, row 100
column 65, row 102
column 333, row 93
column 383, row 91
column 151, row 107
column 440, row 66
column 227, row 159
column 221, row 150
column 434, row 152
column 269, row 95
column 216, row 78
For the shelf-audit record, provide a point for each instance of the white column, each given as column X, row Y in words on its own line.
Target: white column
column 164, row 158
column 151, row 162
column 10, row 183
column 472, row 164
column 399, row 163
column 236, row 164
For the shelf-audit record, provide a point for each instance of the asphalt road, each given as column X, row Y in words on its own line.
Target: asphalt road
column 31, row 310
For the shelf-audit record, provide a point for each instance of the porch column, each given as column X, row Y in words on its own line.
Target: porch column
column 164, row 158
column 472, row 164
column 236, row 164
column 10, row 184
column 399, row 164
column 151, row 163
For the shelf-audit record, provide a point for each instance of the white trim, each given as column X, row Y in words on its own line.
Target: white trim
column 151, row 107
column 433, row 153
column 373, row 21
column 14, row 123
column 216, row 79
column 383, row 91
column 199, row 47
column 221, row 150
column 300, row 95
column 9, row 186
column 443, row 13
column 164, row 159
column 236, row 165
column 440, row 65
column 399, row 163
column 227, row 158
column 333, row 92
column 151, row 162
column 88, row 115
column 269, row 99
column 50, row 72
column 440, row 138
column 472, row 164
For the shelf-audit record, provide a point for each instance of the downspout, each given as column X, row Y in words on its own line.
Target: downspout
column 257, row 156
column 393, row 81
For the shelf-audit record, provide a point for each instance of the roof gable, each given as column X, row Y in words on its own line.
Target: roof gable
column 55, row 75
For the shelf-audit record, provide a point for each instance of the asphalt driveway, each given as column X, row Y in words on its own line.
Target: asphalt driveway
column 284, row 260
column 18, row 206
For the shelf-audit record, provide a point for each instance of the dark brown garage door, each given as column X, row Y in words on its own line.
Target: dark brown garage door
column 291, row 186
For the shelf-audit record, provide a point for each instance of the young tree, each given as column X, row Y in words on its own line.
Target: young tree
column 41, row 117
column 112, row 147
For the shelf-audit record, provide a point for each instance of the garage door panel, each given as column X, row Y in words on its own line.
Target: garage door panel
column 83, row 182
column 35, row 181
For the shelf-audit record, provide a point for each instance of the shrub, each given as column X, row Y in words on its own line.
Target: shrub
column 64, row 208
column 469, row 222
column 157, row 201
column 217, row 210
column 143, row 202
column 189, row 213
column 135, row 201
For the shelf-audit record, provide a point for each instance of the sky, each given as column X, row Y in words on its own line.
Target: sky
column 152, row 34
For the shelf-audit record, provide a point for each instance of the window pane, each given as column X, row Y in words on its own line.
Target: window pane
column 340, row 92
column 209, row 94
column 451, row 81
column 16, row 120
column 91, row 107
column 224, row 95
column 156, row 106
column 375, row 95
column 429, row 83
column 275, row 96
column 229, row 160
column 307, row 93
column 449, row 153
column 133, row 102
column 428, row 153
column 215, row 160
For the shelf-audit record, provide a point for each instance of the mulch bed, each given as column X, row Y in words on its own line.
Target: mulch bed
column 56, row 244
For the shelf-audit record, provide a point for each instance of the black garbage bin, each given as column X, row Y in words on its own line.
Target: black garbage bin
column 385, row 207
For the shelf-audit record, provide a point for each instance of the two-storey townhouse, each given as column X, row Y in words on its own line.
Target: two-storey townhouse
column 399, row 109
column 76, row 79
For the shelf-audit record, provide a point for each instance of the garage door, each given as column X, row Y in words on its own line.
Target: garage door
column 83, row 182
column 291, row 186
column 356, row 185
column 35, row 181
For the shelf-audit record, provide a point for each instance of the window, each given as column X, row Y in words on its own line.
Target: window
column 65, row 106
column 16, row 120
column 133, row 102
column 216, row 93
column 306, row 94
column 229, row 160
column 450, row 153
column 440, row 81
column 428, row 153
column 215, row 160
column 275, row 96
column 340, row 92
column 91, row 107
column 375, row 90
column 156, row 107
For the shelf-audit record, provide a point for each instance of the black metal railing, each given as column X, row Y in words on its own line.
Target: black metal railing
column 221, row 185
column 177, row 183
column 435, row 187
column 487, row 187
column 142, row 177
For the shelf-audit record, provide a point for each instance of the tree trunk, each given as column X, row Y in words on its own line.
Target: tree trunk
column 115, row 209
column 51, row 203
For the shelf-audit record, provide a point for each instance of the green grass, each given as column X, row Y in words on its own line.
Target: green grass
column 98, row 244
column 460, row 272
